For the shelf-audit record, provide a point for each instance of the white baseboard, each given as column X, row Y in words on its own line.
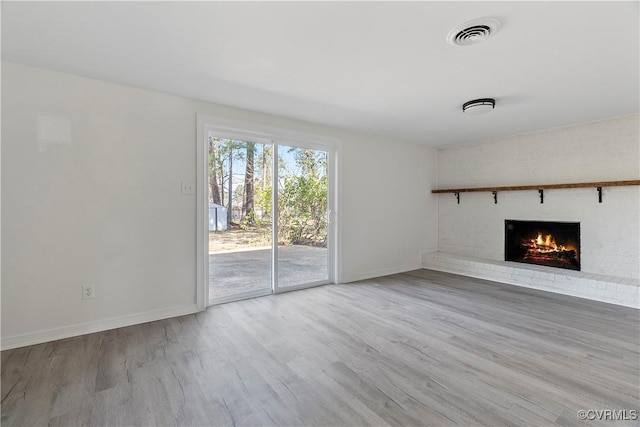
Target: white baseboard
column 91, row 327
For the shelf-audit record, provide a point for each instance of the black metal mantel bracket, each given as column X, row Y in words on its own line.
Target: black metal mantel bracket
column 495, row 197
column 457, row 197
column 541, row 191
column 599, row 194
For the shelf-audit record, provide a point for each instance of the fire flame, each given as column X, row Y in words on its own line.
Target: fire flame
column 543, row 248
column 546, row 243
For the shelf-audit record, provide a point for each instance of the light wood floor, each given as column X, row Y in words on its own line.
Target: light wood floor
column 422, row 348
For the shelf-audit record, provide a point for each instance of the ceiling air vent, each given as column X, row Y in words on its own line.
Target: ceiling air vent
column 473, row 32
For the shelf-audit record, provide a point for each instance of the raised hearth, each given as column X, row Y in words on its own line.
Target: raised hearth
column 614, row 290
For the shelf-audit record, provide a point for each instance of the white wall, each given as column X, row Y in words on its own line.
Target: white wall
column 603, row 151
column 387, row 206
column 91, row 179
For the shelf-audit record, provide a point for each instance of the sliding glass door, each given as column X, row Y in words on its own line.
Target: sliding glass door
column 240, row 220
column 263, row 241
column 303, row 212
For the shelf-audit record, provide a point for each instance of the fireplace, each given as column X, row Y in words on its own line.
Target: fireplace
column 554, row 244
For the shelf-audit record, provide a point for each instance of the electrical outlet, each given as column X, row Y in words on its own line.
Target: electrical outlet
column 188, row 188
column 88, row 292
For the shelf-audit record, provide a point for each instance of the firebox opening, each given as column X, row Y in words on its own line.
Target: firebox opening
column 554, row 244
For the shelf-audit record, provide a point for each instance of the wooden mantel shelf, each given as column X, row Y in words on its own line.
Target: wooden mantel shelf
column 541, row 186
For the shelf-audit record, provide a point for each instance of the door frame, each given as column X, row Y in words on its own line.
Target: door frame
column 277, row 136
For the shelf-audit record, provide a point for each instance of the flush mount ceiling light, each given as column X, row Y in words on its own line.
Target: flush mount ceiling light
column 478, row 106
column 473, row 32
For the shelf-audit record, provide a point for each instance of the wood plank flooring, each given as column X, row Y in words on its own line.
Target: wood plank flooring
column 420, row 348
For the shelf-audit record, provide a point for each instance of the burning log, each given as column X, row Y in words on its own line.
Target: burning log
column 567, row 256
column 545, row 249
column 533, row 246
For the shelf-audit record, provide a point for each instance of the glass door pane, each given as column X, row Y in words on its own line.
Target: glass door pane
column 302, row 216
column 240, row 223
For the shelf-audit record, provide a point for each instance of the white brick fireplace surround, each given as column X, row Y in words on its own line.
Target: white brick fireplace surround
column 471, row 233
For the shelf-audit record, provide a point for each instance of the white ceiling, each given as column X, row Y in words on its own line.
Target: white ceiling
column 379, row 67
